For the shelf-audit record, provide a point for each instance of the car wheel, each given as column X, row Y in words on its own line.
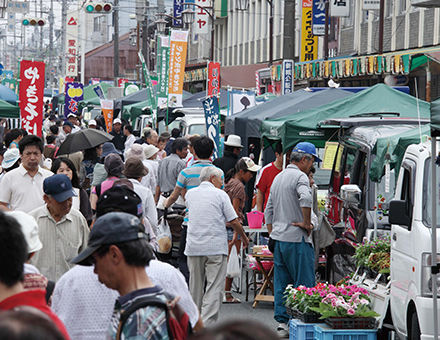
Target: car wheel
column 415, row 327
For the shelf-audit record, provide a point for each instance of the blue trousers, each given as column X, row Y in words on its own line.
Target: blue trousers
column 294, row 264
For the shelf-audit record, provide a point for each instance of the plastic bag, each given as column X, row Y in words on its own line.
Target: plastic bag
column 233, row 269
column 164, row 237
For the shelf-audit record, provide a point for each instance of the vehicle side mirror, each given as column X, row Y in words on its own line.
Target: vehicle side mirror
column 398, row 213
column 351, row 193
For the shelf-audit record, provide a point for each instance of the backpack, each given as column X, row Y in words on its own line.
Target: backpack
column 179, row 327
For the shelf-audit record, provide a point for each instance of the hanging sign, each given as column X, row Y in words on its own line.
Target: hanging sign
column 72, row 46
column 318, row 21
column 31, row 96
column 212, row 112
column 309, row 42
column 162, row 70
column 178, row 46
column 74, row 93
column 213, row 79
column 287, row 76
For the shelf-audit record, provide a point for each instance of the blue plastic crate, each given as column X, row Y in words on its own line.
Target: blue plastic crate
column 323, row 332
column 301, row 331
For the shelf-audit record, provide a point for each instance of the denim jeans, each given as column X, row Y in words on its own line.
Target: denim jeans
column 294, row 264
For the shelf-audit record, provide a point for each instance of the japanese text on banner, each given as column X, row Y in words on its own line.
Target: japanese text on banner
column 309, row 42
column 213, row 79
column 178, row 46
column 31, row 96
column 211, row 108
column 74, row 93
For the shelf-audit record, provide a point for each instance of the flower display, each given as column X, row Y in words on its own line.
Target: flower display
column 374, row 254
column 330, row 301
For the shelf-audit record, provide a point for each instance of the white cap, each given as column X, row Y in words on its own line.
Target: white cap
column 72, row 115
column 234, row 141
column 251, row 166
column 10, row 157
column 29, row 227
column 117, row 120
column 92, row 122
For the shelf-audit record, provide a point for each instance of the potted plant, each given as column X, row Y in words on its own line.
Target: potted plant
column 374, row 255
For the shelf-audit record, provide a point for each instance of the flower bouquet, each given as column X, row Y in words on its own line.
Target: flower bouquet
column 346, row 307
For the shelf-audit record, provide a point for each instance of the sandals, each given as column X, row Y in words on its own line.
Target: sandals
column 229, row 298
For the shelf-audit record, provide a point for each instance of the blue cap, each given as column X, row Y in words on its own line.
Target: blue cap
column 68, row 124
column 108, row 148
column 114, row 227
column 59, row 187
column 306, row 147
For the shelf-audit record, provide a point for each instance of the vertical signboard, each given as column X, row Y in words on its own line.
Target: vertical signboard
column 201, row 17
column 31, row 96
column 309, row 42
column 147, row 80
column 72, row 46
column 213, row 79
column 211, row 108
column 318, row 21
column 107, row 111
column 178, row 46
column 287, row 81
column 11, row 22
column 340, row 8
column 177, row 10
column 73, row 95
column 370, row 5
column 162, row 70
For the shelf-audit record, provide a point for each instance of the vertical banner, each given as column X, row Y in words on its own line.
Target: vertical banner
column 287, row 77
column 74, row 93
column 340, row 8
column 72, row 46
column 99, row 92
column 107, row 111
column 11, row 22
column 147, row 80
column 257, row 83
column 213, row 79
column 212, row 112
column 178, row 46
column 31, row 96
column 318, row 21
column 162, row 70
column 201, row 17
column 309, row 42
column 177, row 10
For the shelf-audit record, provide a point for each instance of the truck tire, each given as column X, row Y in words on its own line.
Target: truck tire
column 415, row 327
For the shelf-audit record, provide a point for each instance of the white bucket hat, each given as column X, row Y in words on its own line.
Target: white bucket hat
column 234, row 141
column 149, row 150
column 29, row 227
column 10, row 157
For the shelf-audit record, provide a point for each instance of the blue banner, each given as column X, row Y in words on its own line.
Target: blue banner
column 99, row 92
column 318, row 20
column 177, row 10
column 212, row 118
column 74, row 93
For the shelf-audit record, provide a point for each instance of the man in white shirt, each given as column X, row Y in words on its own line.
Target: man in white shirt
column 209, row 208
column 22, row 188
column 128, row 132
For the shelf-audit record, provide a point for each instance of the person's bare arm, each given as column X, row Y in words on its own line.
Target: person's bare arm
column 93, row 200
column 199, row 325
column 306, row 223
column 4, row 206
column 235, row 224
column 260, row 200
column 157, row 193
column 173, row 197
column 269, row 228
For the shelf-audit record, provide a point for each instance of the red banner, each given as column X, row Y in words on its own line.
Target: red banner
column 122, row 81
column 31, row 96
column 213, row 79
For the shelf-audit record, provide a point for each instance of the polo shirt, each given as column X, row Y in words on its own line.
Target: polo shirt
column 265, row 180
column 207, row 233
column 148, row 203
column 21, row 191
column 62, row 241
column 129, row 142
column 168, row 172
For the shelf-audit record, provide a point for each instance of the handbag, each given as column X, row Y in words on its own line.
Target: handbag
column 233, row 268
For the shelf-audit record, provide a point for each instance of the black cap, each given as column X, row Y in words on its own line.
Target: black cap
column 121, row 198
column 114, row 227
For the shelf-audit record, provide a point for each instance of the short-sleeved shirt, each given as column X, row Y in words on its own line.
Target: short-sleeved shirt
column 235, row 190
column 168, row 171
column 145, row 323
column 209, row 209
column 21, row 191
column 264, row 182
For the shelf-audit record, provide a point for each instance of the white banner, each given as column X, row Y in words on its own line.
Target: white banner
column 340, row 8
column 11, row 22
column 72, row 48
column 370, row 4
column 241, row 100
column 18, row 7
column 202, row 19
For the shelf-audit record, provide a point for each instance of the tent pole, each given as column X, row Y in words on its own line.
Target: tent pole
column 434, row 232
column 376, row 191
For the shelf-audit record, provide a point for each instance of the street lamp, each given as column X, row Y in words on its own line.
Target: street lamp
column 160, row 25
column 187, row 16
column 3, row 6
column 243, row 5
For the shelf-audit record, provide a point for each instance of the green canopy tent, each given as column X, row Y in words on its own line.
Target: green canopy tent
column 8, row 110
column 303, row 126
column 133, row 111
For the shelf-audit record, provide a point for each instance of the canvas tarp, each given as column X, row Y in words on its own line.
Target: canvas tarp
column 435, row 114
column 9, row 111
column 133, row 111
column 303, row 126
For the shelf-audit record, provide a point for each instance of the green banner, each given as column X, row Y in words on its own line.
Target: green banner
column 10, row 83
column 130, row 88
column 163, row 60
column 149, row 87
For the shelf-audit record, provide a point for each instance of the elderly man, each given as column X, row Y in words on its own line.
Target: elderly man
column 22, row 188
column 288, row 219
column 119, row 137
column 150, row 137
column 207, row 241
column 63, row 231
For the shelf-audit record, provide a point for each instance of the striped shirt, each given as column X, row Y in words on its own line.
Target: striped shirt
column 145, row 323
column 62, row 241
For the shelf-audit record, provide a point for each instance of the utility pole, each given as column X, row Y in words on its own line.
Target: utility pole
column 145, row 47
column 63, row 36
column 82, row 17
column 51, row 22
column 41, row 28
column 289, row 30
column 381, row 23
column 116, row 41
column 327, row 5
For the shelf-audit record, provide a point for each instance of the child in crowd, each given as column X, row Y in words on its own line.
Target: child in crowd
column 161, row 145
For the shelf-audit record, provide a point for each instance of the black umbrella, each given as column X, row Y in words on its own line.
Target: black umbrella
column 84, row 139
